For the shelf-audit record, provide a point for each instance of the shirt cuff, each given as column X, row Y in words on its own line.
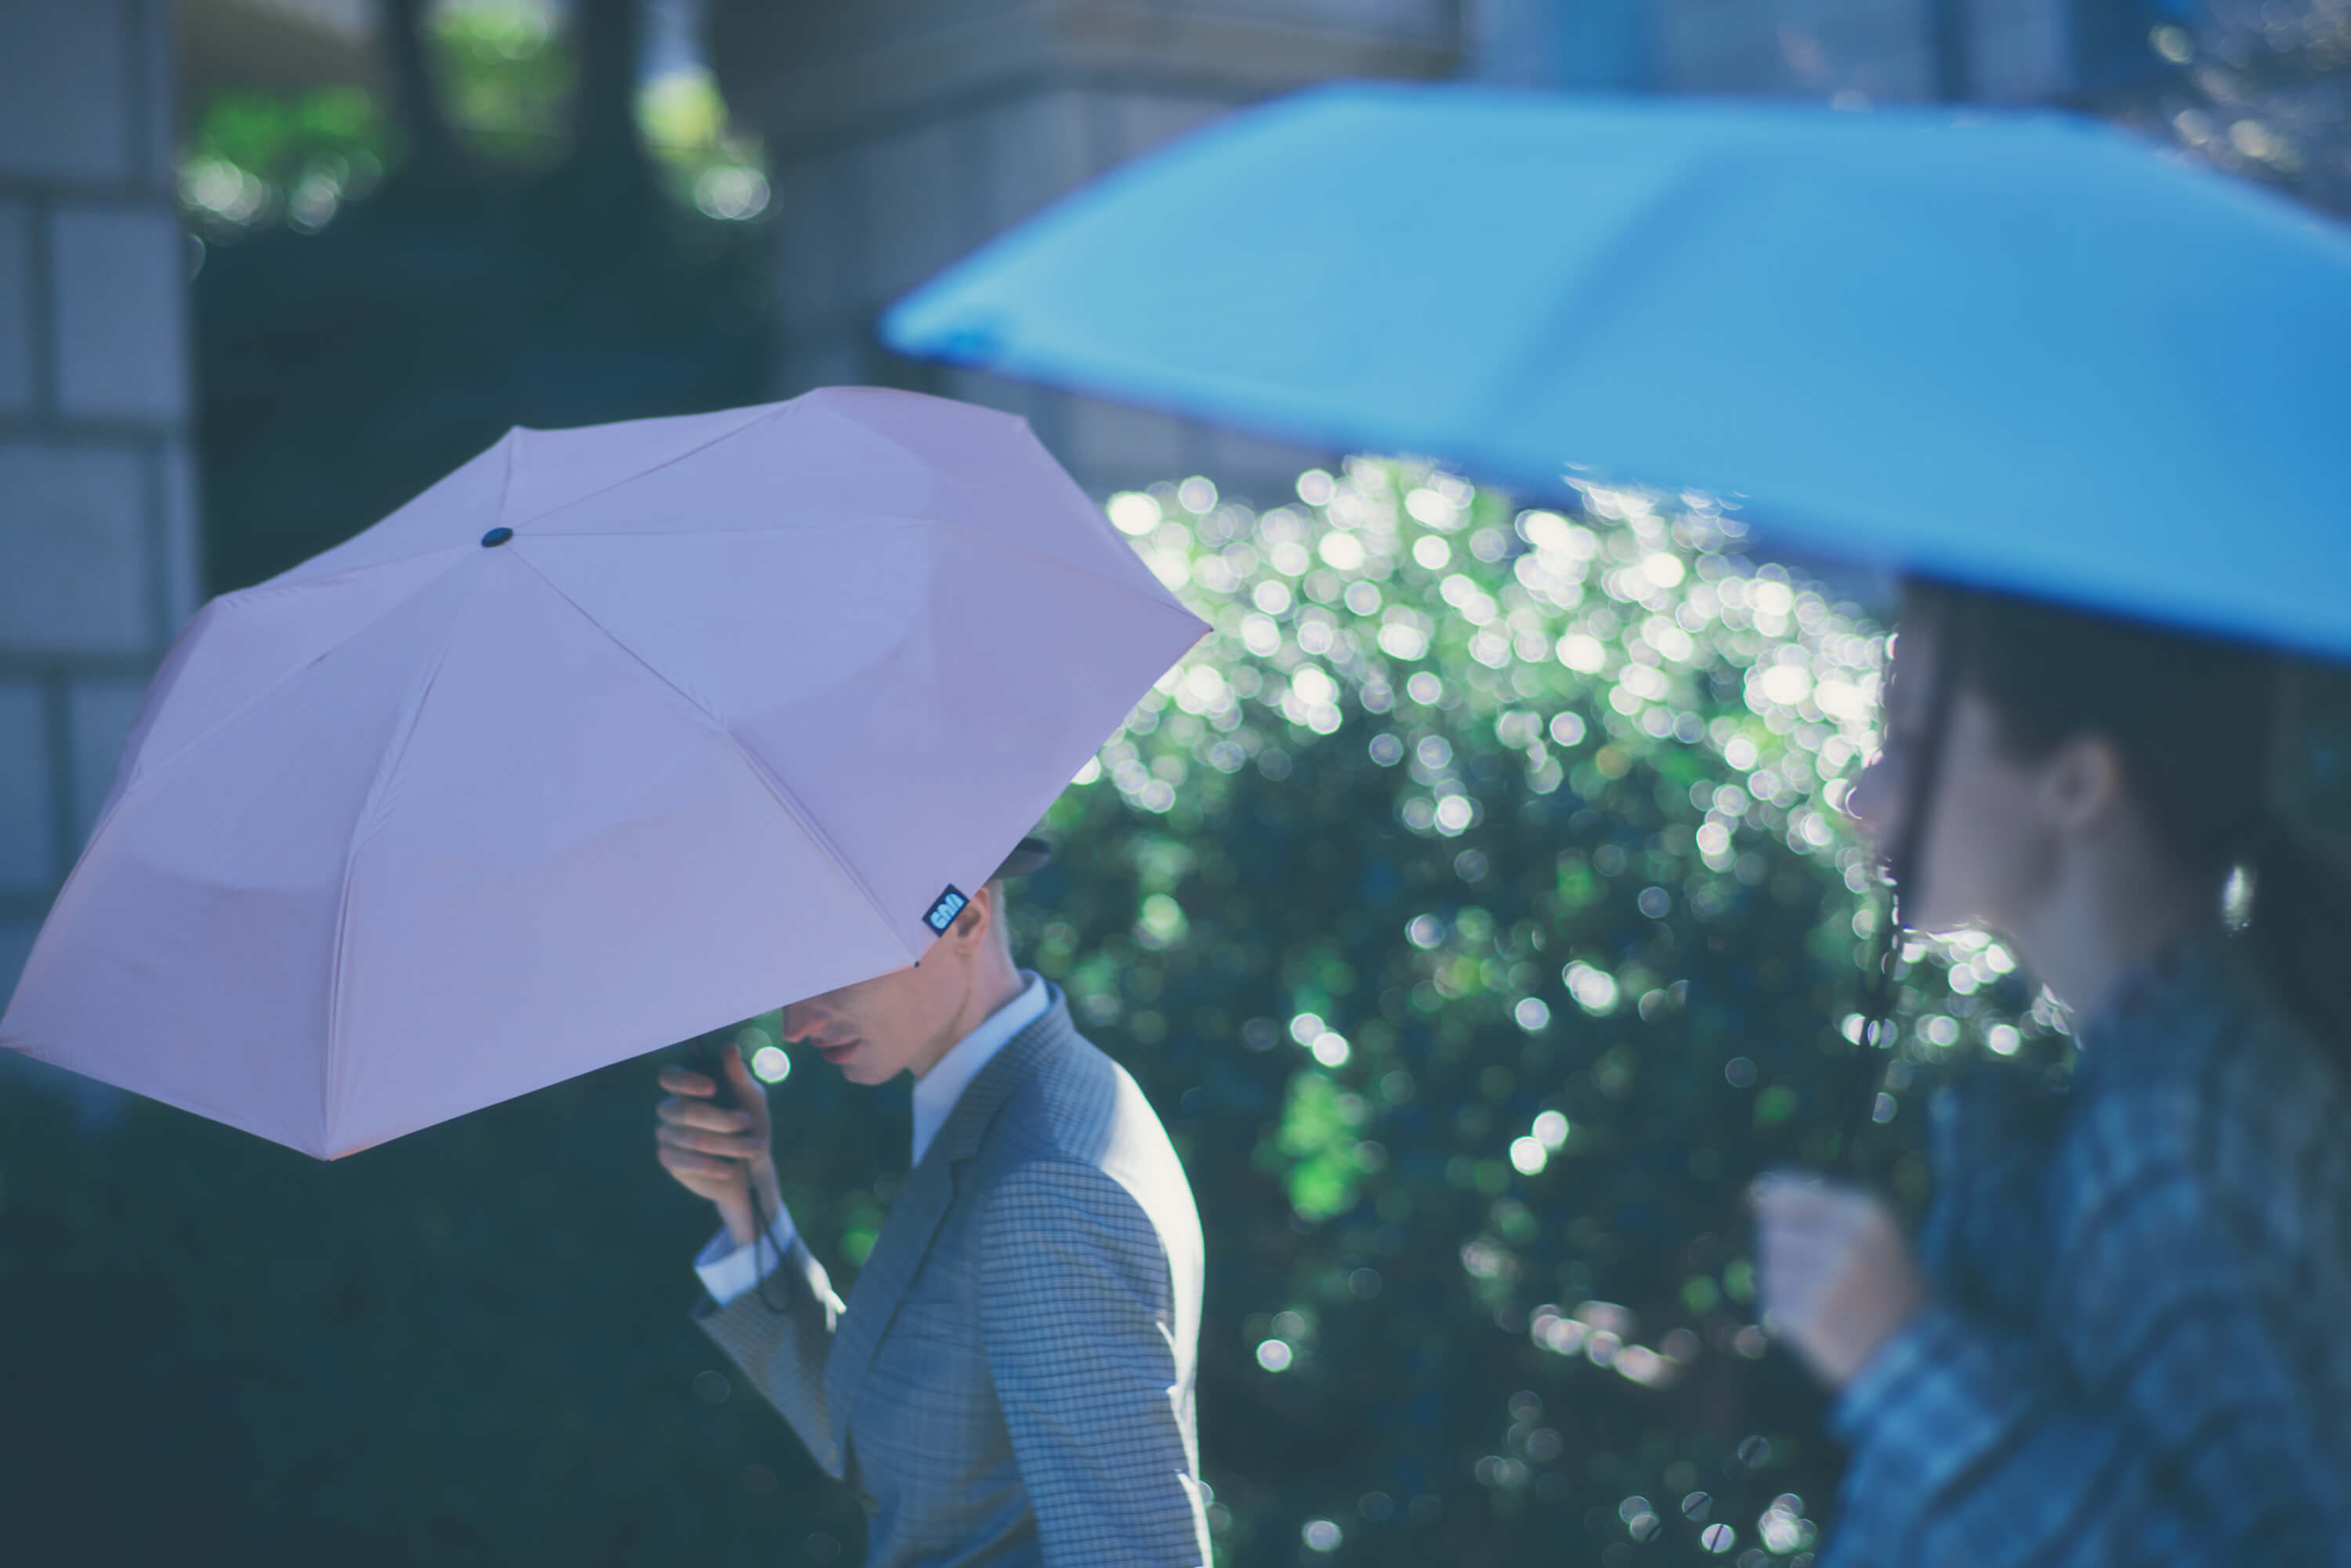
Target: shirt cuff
column 729, row 1271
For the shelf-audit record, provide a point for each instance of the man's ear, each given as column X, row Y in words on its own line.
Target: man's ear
column 979, row 917
column 2082, row 785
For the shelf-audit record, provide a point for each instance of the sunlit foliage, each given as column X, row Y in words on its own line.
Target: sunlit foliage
column 1474, row 903
column 705, row 160
column 253, row 159
column 505, row 75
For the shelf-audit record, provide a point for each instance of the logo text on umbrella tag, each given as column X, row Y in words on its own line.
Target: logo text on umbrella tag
column 943, row 911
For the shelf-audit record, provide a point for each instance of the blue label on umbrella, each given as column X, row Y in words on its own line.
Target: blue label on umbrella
column 943, row 911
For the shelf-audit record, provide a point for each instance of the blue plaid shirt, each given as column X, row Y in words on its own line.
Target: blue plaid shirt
column 2137, row 1348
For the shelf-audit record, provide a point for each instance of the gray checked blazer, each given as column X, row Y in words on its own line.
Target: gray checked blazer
column 1010, row 1382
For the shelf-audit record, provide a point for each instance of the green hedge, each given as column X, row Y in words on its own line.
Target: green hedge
column 1473, row 904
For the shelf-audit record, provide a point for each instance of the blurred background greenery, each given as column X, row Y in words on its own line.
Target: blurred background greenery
column 1472, row 906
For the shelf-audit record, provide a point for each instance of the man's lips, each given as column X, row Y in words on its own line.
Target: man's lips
column 836, row 1050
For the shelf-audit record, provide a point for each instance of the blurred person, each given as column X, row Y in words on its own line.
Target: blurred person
column 1011, row 1379
column 2122, row 1338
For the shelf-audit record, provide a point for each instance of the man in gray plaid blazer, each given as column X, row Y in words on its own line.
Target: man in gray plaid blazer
column 1010, row 1381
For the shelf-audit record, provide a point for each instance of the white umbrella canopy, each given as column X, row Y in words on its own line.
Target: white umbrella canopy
column 613, row 736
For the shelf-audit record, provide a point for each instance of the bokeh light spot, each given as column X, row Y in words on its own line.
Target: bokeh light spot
column 1132, row 512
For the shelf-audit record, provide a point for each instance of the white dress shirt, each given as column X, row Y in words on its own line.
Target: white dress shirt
column 727, row 1271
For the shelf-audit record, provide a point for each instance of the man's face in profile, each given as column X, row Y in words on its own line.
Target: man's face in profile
column 901, row 1021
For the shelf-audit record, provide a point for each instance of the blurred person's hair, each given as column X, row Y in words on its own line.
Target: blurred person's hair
column 2191, row 717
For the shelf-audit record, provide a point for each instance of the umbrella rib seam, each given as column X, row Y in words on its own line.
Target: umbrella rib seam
column 769, row 412
column 778, row 531
column 1136, row 590
column 513, row 444
column 279, row 587
column 149, row 772
column 774, row 786
column 286, row 581
column 365, row 826
column 180, row 1099
column 1132, row 590
column 915, row 458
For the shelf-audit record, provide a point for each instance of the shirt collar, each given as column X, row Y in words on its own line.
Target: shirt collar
column 937, row 1091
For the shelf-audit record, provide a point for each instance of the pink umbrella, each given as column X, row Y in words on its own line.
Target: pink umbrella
column 613, row 736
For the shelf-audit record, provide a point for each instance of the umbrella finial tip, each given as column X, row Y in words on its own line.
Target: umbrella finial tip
column 496, row 538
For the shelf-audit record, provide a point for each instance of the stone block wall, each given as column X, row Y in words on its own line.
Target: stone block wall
column 905, row 133
column 98, row 563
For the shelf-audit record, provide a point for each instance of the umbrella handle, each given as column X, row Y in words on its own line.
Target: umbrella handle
column 705, row 1055
column 1882, row 984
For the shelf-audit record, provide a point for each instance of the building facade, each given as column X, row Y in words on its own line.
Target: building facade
column 98, row 561
column 905, row 132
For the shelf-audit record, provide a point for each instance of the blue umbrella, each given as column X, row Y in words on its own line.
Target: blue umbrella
column 2026, row 352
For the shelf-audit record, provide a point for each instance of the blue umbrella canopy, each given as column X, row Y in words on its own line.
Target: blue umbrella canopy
column 2021, row 351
